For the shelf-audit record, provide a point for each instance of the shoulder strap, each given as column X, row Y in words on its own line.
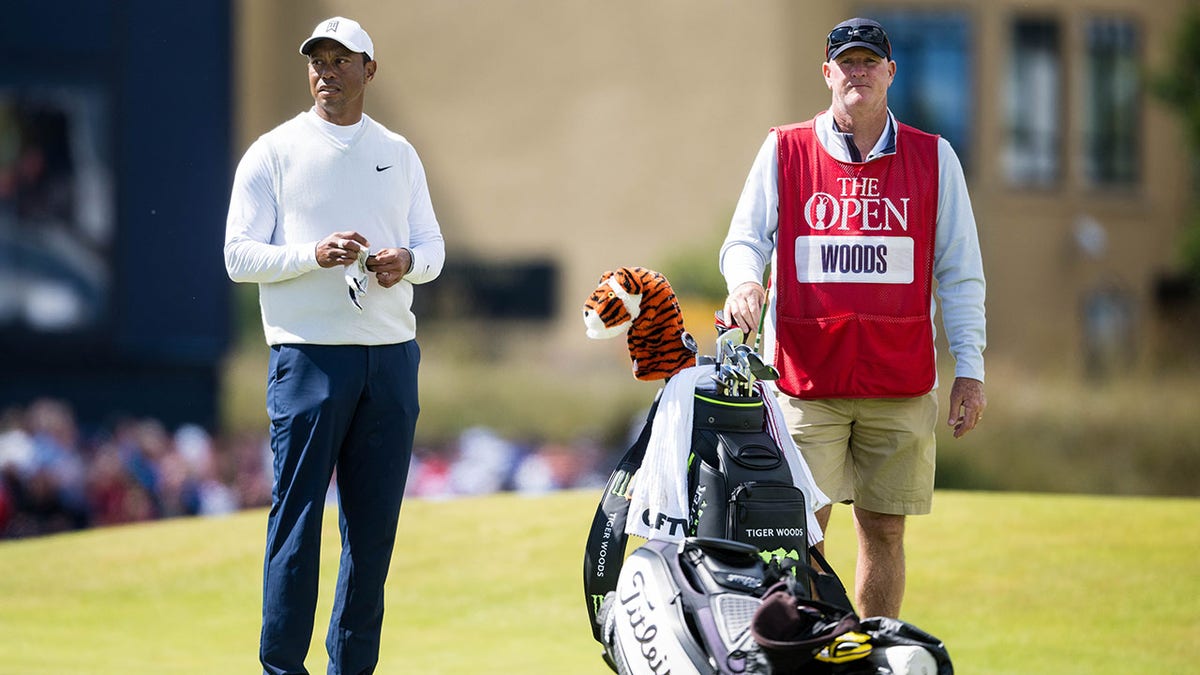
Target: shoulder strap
column 604, row 552
column 826, row 584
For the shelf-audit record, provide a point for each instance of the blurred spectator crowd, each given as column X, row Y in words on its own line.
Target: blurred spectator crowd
column 57, row 477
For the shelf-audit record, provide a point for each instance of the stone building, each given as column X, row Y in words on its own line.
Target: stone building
column 566, row 137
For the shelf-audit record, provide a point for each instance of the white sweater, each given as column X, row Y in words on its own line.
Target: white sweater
column 299, row 183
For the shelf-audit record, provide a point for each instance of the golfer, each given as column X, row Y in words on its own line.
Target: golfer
column 330, row 215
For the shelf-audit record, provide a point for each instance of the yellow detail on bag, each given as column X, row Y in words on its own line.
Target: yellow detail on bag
column 846, row 647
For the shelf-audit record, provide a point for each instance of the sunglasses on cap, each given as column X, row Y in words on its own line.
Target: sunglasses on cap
column 845, row 34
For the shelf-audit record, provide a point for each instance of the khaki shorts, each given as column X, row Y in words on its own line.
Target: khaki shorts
column 875, row 453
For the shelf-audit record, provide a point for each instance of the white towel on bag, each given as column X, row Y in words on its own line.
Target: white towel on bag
column 660, row 485
column 658, row 506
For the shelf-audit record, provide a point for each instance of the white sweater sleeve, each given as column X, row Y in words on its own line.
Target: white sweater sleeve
column 425, row 235
column 250, row 254
column 958, row 268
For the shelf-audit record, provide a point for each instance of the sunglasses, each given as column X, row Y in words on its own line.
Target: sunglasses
column 869, row 34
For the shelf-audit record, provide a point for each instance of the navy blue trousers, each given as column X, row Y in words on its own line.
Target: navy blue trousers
column 353, row 408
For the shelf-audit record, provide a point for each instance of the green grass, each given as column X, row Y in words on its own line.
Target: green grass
column 1013, row 583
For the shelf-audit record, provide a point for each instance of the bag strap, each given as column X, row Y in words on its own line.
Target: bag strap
column 604, row 552
column 826, row 585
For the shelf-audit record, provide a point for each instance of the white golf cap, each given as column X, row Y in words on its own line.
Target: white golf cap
column 343, row 30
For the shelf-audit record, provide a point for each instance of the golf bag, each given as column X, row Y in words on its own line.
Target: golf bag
column 684, row 607
column 714, row 607
column 741, row 489
column 797, row 635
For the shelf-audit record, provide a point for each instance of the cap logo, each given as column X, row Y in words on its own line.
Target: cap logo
column 331, row 27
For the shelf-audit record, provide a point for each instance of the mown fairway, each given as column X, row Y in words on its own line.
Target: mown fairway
column 1013, row 583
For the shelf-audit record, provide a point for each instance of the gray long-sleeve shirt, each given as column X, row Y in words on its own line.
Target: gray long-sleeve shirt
column 958, row 265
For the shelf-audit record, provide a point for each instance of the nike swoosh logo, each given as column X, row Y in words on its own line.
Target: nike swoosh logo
column 382, row 168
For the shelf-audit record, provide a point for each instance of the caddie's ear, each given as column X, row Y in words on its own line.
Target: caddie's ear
column 606, row 276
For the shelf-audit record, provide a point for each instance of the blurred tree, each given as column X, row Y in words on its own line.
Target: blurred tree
column 1178, row 85
column 693, row 268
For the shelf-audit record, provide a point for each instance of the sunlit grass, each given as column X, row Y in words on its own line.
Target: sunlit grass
column 1013, row 583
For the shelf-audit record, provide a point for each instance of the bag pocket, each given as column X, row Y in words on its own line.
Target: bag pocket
column 770, row 516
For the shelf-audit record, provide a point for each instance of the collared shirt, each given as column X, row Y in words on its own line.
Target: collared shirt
column 958, row 266
column 886, row 145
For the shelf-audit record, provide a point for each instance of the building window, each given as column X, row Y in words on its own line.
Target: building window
column 1033, row 142
column 935, row 73
column 491, row 290
column 1111, row 115
column 57, row 211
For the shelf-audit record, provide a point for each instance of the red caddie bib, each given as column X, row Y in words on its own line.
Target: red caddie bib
column 854, row 268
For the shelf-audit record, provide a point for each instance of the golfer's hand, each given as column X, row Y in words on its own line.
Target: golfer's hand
column 390, row 265
column 744, row 306
column 967, row 402
column 340, row 248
